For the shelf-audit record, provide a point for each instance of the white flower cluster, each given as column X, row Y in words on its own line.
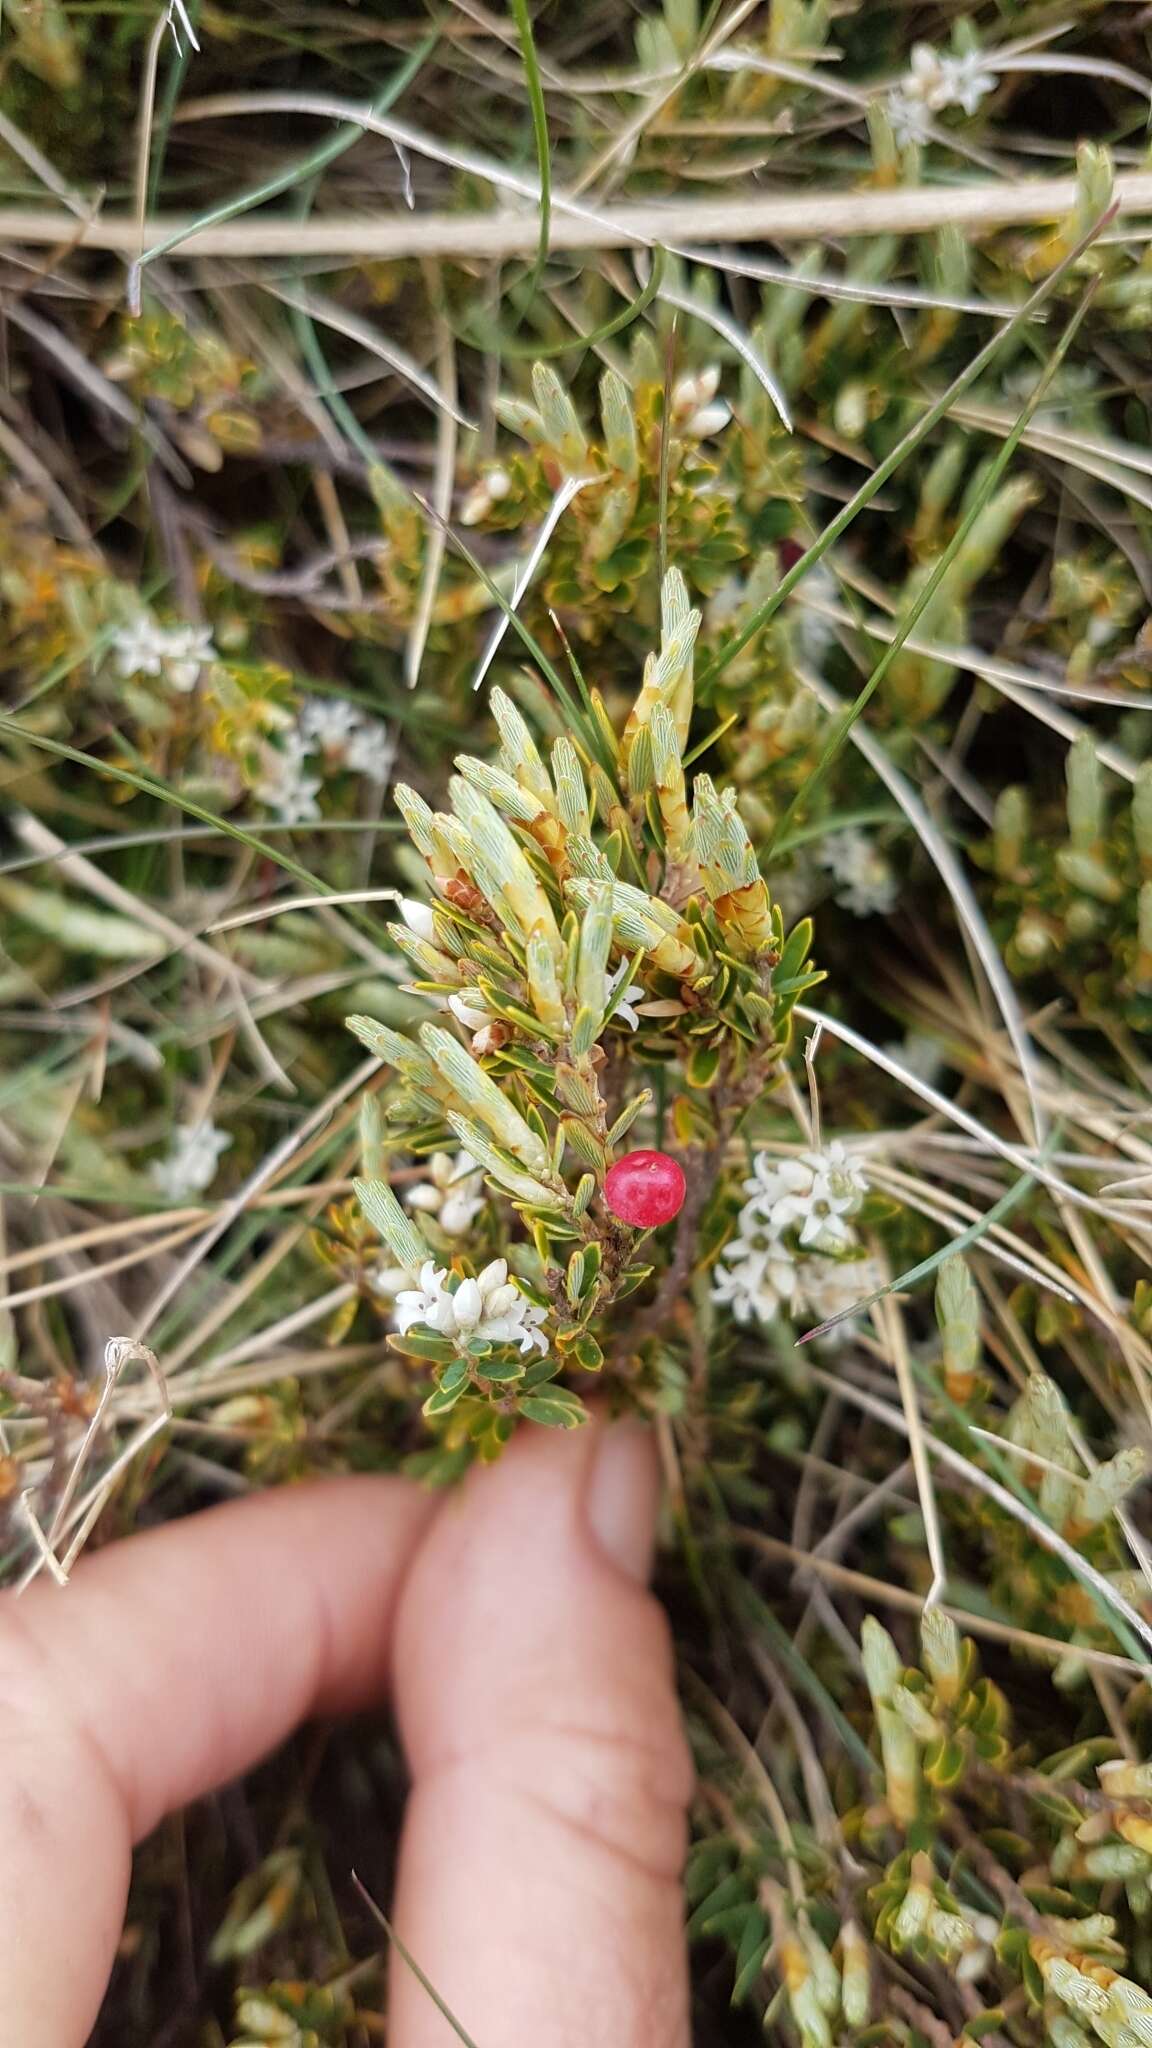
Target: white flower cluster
column 347, row 737
column 488, row 491
column 453, row 1192
column 695, row 408
column 190, row 1164
column 866, row 884
column 937, row 80
column 175, row 653
column 491, row 1307
column 791, row 1237
column 330, row 735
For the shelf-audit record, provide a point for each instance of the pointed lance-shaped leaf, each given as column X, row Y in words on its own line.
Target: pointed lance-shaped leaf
column 504, row 1171
column 619, row 422
column 596, row 932
column 520, row 754
column 480, row 1094
column 408, row 1246
column 392, row 1047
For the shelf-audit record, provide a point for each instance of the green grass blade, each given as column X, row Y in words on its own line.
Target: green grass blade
column 534, row 83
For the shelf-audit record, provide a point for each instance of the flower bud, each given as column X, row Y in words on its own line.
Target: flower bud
column 958, row 1314
column 941, row 1650
column 418, row 917
column 855, row 1975
column 1085, row 794
column 1010, row 829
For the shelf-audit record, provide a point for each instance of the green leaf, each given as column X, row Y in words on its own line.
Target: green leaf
column 557, row 1410
column 541, row 1371
column 731, row 1891
column 631, row 1280
column 439, row 1402
column 522, row 16
column 394, row 1224
column 512, row 1012
column 586, row 1353
column 536, row 1121
column 585, row 1027
column 794, row 985
column 989, row 2021
column 540, row 1240
column 707, row 1863
column 588, row 1150
column 755, row 1943
column 703, row 1066
column 797, row 947
column 501, row 1370
column 424, row 1346
column 731, row 1924
column 79, row 929
column 628, row 1116
column 944, row 1762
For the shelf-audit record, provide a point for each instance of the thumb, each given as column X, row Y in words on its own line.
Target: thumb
column 539, row 1872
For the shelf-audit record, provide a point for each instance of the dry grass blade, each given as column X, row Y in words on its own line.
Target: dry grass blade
column 910, row 210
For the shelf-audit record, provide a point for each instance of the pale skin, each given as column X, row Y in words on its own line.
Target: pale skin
column 531, row 1675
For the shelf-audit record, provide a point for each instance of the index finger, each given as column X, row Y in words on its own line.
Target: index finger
column 170, row 1664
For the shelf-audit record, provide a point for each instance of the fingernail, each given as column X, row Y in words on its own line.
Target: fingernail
column 623, row 1496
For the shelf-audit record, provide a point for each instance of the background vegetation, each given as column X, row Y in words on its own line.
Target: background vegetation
column 330, row 334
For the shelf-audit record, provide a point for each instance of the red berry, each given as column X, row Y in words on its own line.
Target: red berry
column 645, row 1188
column 788, row 553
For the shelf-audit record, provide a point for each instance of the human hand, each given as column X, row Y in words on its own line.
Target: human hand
column 532, row 1679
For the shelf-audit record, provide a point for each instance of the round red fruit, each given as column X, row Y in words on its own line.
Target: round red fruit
column 645, row 1188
